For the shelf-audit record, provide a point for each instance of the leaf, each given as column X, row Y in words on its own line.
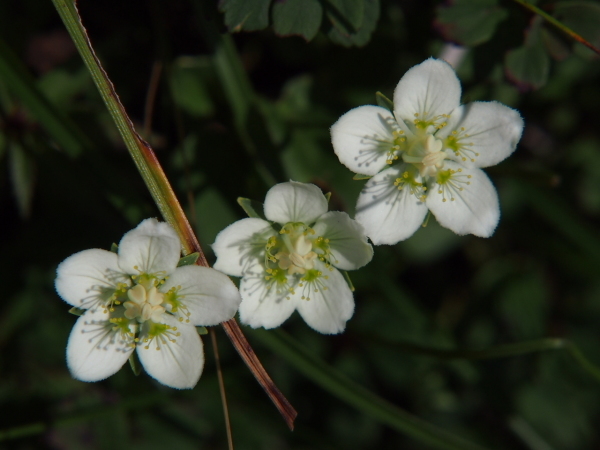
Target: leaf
column 22, row 176
column 297, row 17
column 134, row 363
column 252, row 207
column 76, row 311
column 384, row 102
column 114, row 248
column 345, row 31
column 189, row 88
column 247, row 15
column 359, row 177
column 470, row 22
column 365, row 401
column 189, row 260
column 528, row 66
column 202, row 330
column 346, row 15
column 581, row 17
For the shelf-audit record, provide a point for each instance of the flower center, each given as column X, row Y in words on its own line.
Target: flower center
column 144, row 304
column 426, row 154
column 296, row 255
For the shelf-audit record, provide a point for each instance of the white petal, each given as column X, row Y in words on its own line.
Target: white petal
column 94, row 350
column 241, row 244
column 389, row 215
column 294, row 202
column 209, row 296
column 263, row 306
column 428, row 89
column 493, row 133
column 175, row 361
column 87, row 279
column 362, row 138
column 152, row 247
column 326, row 310
column 475, row 208
column 347, row 240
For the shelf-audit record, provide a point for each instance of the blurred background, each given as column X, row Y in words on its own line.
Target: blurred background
column 239, row 95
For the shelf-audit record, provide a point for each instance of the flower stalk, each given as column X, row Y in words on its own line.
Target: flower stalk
column 160, row 189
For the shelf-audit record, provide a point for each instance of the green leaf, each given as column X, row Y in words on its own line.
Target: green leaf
column 21, row 84
column 247, row 15
column 581, row 17
column 297, row 17
column 76, row 311
column 365, row 401
column 346, row 30
column 328, row 196
column 384, row 102
column 202, row 330
column 346, row 15
column 189, row 260
column 22, row 176
column 529, row 65
column 134, row 363
column 188, row 86
column 114, row 248
column 470, row 22
column 252, row 207
column 359, row 177
column 348, row 280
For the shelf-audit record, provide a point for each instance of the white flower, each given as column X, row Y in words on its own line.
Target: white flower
column 431, row 150
column 140, row 300
column 289, row 262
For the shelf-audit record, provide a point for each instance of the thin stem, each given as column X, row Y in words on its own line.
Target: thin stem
column 213, row 338
column 161, row 190
column 500, row 351
column 82, row 416
column 562, row 27
column 151, row 97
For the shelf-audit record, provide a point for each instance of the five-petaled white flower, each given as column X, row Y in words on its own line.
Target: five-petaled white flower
column 140, row 300
column 289, row 261
column 431, row 149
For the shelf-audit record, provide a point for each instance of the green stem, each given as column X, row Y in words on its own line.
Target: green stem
column 162, row 192
column 140, row 151
column 502, row 351
column 20, row 83
column 82, row 416
column 558, row 24
column 356, row 395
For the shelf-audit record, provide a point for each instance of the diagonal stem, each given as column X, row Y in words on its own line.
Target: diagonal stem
column 161, row 190
column 562, row 27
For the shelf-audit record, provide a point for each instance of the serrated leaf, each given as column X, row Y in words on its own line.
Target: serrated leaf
column 134, row 363
column 114, row 248
column 341, row 34
column 297, row 17
column 22, row 177
column 470, row 22
column 581, row 17
column 384, row 102
column 247, row 15
column 202, row 330
column 76, row 311
column 529, row 65
column 189, row 260
column 252, row 207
